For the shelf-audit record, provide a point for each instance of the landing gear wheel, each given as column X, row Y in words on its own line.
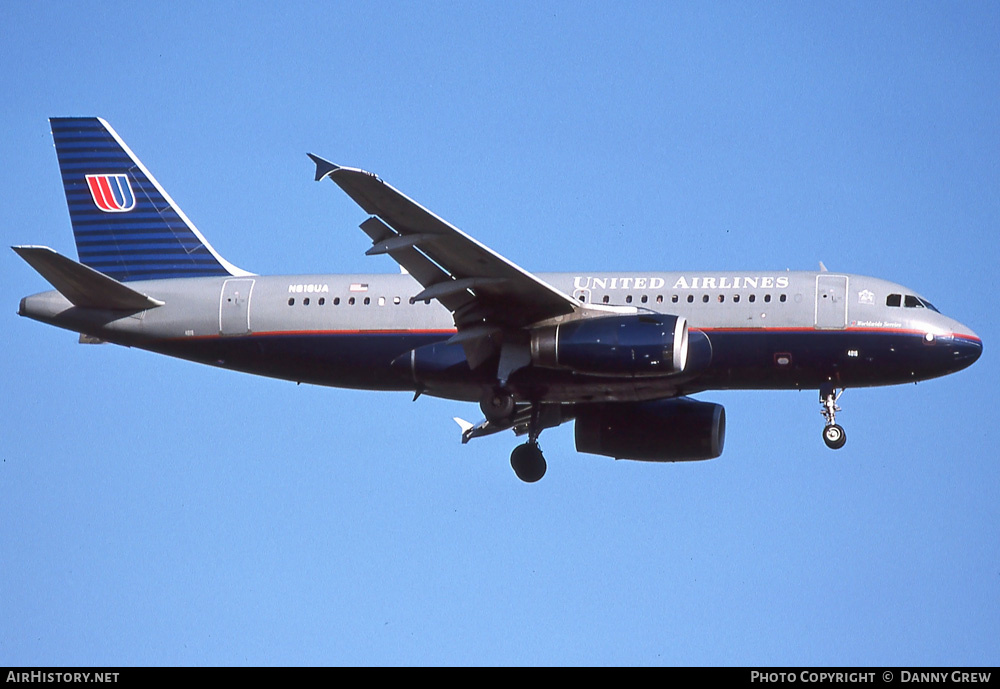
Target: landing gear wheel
column 497, row 405
column 527, row 462
column 834, row 437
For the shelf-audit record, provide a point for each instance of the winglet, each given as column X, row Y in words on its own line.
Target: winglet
column 323, row 167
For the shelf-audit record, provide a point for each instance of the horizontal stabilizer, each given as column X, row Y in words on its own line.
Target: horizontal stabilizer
column 466, row 428
column 82, row 285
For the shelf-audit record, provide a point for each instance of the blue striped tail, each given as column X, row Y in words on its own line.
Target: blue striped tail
column 125, row 225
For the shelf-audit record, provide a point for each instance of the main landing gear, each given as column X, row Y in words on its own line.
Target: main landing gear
column 526, row 460
column 497, row 405
column 833, row 435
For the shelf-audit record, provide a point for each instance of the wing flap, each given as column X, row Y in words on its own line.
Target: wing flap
column 423, row 270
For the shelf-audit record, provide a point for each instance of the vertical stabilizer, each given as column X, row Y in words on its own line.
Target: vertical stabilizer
column 126, row 226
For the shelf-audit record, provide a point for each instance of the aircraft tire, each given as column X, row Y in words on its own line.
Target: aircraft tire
column 497, row 405
column 528, row 463
column 834, row 437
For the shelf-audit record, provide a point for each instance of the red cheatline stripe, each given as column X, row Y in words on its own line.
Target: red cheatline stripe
column 278, row 333
column 357, row 332
column 452, row 331
column 881, row 331
column 808, row 329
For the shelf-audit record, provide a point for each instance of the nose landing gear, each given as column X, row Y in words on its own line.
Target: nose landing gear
column 833, row 435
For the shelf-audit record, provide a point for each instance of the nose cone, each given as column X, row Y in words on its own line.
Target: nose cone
column 967, row 348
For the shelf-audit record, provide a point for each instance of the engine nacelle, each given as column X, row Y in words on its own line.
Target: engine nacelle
column 673, row 430
column 640, row 345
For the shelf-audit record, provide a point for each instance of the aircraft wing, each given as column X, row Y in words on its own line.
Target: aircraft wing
column 486, row 293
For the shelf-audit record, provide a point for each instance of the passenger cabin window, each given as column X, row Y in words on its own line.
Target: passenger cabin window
column 291, row 301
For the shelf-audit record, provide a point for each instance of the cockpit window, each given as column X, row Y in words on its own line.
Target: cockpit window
column 910, row 302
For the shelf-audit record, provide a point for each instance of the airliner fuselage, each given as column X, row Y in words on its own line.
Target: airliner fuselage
column 617, row 352
column 776, row 330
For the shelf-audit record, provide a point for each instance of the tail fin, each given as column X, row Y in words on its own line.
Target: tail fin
column 125, row 224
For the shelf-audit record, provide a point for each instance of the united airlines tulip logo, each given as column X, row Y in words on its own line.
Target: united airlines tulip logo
column 111, row 193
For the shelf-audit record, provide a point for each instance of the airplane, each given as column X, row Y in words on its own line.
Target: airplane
column 618, row 353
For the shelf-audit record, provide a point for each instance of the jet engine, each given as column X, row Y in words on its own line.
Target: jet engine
column 642, row 345
column 672, row 430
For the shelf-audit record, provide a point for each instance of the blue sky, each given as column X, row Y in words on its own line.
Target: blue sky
column 158, row 512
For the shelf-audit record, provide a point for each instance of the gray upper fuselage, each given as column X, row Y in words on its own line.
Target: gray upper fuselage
column 196, row 307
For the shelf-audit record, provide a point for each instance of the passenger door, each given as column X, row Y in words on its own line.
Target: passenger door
column 831, row 302
column 234, row 307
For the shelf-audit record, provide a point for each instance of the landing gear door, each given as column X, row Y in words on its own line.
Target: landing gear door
column 234, row 307
column 831, row 302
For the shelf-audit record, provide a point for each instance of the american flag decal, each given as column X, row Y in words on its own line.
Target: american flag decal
column 111, row 193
